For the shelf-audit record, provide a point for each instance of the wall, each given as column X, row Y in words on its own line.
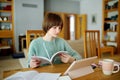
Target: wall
column 89, row 7
column 92, row 7
column 29, row 17
column 68, row 6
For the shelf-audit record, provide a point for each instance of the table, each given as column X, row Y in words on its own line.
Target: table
column 61, row 68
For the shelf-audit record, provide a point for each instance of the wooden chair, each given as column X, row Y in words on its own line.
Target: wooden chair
column 32, row 34
column 107, row 49
column 92, row 44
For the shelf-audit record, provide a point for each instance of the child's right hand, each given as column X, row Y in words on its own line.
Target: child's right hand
column 34, row 63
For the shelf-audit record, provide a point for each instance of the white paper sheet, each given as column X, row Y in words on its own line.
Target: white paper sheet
column 33, row 75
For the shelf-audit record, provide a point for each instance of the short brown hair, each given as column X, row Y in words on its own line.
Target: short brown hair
column 51, row 20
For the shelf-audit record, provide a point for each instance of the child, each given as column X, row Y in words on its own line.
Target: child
column 50, row 43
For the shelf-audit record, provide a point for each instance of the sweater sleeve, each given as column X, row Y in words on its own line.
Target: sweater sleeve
column 31, row 51
column 71, row 51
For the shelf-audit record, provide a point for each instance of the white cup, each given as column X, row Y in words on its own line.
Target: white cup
column 108, row 66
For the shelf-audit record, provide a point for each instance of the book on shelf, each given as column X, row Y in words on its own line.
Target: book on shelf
column 45, row 60
column 33, row 75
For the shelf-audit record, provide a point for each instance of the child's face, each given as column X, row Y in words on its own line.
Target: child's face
column 54, row 31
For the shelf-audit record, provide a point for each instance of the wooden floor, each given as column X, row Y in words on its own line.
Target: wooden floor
column 5, row 57
column 8, row 63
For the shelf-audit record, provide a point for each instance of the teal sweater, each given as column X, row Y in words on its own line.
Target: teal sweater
column 40, row 47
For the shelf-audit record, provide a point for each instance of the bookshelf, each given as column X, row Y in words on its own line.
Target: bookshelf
column 111, row 23
column 6, row 25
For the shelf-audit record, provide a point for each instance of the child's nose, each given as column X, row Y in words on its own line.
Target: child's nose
column 58, row 30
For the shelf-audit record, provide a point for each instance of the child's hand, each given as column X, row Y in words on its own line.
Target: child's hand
column 34, row 63
column 66, row 58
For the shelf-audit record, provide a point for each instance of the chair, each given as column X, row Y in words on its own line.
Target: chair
column 32, row 34
column 92, row 44
column 106, row 49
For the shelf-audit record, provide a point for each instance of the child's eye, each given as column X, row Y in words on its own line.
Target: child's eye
column 59, row 27
column 54, row 27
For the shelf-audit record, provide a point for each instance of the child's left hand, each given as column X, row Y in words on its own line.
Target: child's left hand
column 66, row 58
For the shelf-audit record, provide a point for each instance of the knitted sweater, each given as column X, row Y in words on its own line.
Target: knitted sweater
column 40, row 47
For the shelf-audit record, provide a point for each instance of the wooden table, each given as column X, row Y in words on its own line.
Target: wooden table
column 60, row 68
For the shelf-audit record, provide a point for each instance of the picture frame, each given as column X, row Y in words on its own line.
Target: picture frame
column 94, row 19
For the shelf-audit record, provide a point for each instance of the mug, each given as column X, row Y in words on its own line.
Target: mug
column 108, row 66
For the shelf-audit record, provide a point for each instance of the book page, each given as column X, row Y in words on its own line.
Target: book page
column 47, row 76
column 15, row 77
column 27, row 75
column 57, row 53
column 43, row 60
column 33, row 75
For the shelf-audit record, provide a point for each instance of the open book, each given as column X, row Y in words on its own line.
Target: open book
column 33, row 75
column 45, row 60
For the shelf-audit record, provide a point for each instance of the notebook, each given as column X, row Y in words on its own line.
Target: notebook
column 80, row 67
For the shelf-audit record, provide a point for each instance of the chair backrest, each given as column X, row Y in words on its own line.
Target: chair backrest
column 32, row 34
column 91, row 43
